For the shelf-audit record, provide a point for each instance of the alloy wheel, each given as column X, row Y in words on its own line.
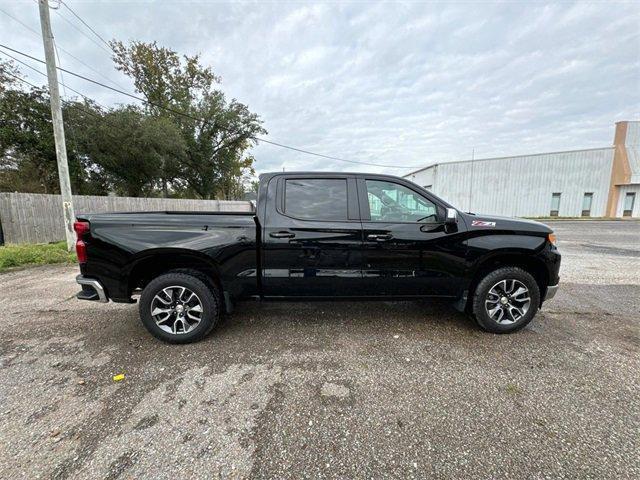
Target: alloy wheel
column 507, row 301
column 176, row 310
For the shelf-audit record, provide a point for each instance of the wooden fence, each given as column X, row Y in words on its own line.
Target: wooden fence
column 37, row 218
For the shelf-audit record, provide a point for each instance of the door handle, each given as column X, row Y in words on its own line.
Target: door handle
column 282, row 235
column 381, row 237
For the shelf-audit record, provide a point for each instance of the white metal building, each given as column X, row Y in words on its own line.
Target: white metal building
column 600, row 182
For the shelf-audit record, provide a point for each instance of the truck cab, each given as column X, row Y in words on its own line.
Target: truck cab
column 322, row 232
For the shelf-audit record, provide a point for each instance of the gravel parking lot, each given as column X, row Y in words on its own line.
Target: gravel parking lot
column 330, row 390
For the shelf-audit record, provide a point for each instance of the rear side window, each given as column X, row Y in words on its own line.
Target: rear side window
column 316, row 198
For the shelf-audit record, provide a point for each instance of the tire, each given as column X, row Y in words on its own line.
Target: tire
column 495, row 314
column 187, row 307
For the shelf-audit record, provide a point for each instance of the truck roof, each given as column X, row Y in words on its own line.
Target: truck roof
column 315, row 172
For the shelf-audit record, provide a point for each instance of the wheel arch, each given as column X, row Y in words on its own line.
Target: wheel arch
column 156, row 262
column 525, row 261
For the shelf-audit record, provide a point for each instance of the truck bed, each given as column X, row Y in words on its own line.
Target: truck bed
column 168, row 218
column 128, row 245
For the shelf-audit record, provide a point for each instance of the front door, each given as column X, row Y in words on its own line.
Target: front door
column 313, row 237
column 408, row 251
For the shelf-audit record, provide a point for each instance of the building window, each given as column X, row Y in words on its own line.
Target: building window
column 587, row 200
column 629, row 200
column 555, row 204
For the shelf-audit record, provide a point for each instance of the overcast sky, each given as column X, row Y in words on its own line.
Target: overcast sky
column 400, row 84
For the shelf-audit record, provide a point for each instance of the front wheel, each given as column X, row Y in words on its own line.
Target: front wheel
column 506, row 300
column 179, row 308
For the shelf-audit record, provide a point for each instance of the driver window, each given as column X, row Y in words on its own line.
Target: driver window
column 392, row 202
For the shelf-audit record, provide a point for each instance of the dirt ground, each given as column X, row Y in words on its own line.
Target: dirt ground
column 330, row 390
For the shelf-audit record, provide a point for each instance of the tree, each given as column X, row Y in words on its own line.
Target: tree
column 131, row 150
column 26, row 142
column 188, row 141
column 216, row 132
column 80, row 119
column 234, row 186
column 27, row 147
column 7, row 72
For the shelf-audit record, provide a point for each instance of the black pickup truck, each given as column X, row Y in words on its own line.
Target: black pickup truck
column 317, row 236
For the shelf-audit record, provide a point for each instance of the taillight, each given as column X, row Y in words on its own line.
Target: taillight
column 82, row 229
column 552, row 238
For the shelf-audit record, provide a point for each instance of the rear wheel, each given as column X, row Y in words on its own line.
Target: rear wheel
column 179, row 308
column 506, row 300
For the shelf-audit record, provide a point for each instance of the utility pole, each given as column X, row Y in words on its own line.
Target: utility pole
column 58, row 125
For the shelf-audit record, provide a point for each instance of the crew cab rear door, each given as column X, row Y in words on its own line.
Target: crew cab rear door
column 408, row 250
column 312, row 237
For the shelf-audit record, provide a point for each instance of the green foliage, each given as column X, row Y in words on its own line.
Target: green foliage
column 26, row 139
column 237, row 181
column 163, row 77
column 39, row 254
column 7, row 69
column 87, row 176
column 27, row 148
column 131, row 150
column 215, row 146
column 134, row 150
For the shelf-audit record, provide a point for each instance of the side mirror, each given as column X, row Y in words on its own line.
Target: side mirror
column 452, row 216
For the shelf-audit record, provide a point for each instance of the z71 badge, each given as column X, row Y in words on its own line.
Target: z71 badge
column 482, row 223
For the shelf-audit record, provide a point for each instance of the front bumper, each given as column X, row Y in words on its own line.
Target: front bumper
column 551, row 292
column 92, row 290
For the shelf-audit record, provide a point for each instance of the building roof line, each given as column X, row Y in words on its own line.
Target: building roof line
column 505, row 157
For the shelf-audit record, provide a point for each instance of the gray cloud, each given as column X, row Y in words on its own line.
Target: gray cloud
column 397, row 84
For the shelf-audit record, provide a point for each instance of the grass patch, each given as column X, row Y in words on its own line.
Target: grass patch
column 39, row 254
column 513, row 389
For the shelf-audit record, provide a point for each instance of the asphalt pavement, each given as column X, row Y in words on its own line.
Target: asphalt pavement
column 330, row 389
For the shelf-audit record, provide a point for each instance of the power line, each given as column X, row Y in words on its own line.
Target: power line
column 74, row 145
column 44, row 75
column 329, row 157
column 91, row 68
column 66, row 52
column 20, row 22
column 68, row 103
column 186, row 115
column 23, row 80
column 81, row 31
column 64, row 4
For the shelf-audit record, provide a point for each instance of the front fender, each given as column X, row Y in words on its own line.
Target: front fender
column 494, row 244
column 532, row 253
column 504, row 249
